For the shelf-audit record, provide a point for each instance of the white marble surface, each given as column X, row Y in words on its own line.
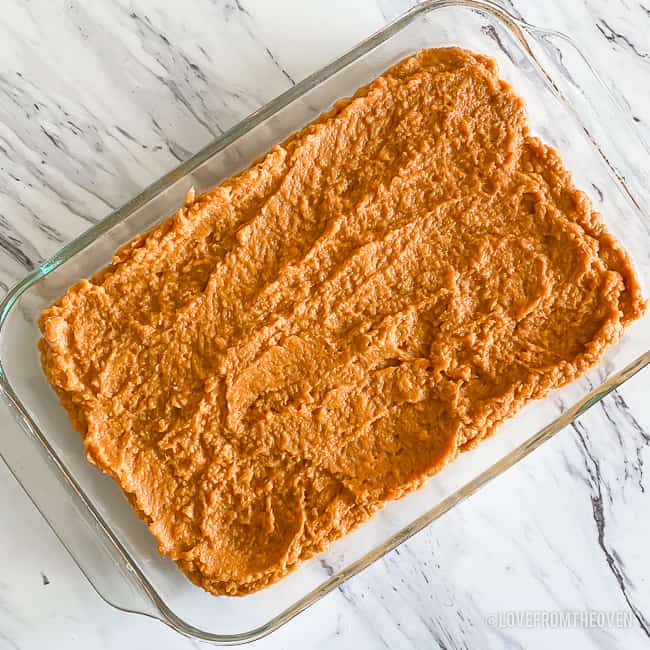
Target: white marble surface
column 94, row 104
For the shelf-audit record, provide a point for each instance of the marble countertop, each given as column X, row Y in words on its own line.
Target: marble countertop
column 95, row 103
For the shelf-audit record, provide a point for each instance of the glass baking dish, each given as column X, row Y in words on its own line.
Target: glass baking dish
column 568, row 107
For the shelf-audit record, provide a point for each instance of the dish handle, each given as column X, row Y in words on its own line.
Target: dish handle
column 70, row 519
column 599, row 107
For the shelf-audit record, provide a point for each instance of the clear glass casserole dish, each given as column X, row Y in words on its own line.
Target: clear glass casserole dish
column 568, row 107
